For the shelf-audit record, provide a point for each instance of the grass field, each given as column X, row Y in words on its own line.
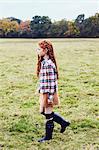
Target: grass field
column 21, row 125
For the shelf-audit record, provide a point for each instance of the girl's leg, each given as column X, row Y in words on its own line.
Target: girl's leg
column 49, row 125
column 41, row 101
column 60, row 120
column 56, row 117
column 48, row 110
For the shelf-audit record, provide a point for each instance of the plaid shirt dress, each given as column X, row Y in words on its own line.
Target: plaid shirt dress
column 48, row 77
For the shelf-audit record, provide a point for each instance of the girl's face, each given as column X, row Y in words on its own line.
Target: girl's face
column 41, row 51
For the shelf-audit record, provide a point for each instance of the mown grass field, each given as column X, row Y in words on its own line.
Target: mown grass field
column 21, row 125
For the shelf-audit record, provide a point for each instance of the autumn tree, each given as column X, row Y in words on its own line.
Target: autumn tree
column 8, row 28
column 24, row 29
column 72, row 31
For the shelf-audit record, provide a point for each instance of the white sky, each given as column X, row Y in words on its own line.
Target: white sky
column 55, row 9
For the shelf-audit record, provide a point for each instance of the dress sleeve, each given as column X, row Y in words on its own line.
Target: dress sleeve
column 47, row 79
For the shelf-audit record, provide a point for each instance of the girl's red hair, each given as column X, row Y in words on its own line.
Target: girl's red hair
column 46, row 44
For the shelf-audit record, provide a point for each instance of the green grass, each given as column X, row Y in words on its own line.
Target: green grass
column 21, row 124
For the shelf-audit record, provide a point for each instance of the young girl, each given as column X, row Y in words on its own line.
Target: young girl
column 47, row 73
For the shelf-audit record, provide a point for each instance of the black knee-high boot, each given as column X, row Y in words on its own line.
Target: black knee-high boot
column 49, row 125
column 60, row 120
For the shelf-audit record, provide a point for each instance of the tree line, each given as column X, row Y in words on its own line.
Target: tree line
column 43, row 27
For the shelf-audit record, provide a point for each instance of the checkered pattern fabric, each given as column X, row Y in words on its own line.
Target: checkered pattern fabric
column 48, row 77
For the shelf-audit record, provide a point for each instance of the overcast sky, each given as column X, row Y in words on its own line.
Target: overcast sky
column 55, row 9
